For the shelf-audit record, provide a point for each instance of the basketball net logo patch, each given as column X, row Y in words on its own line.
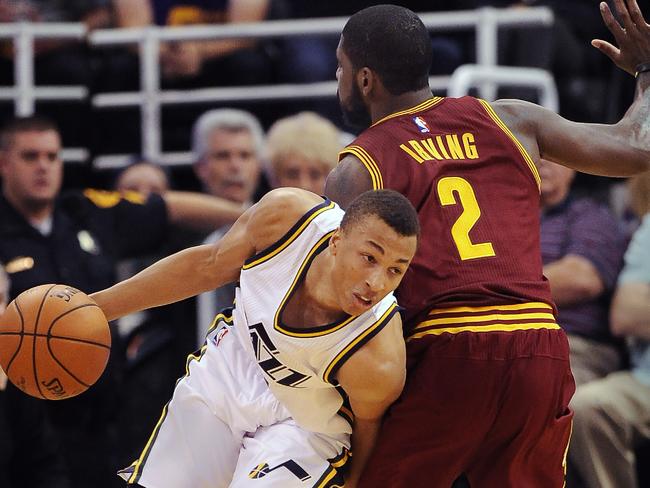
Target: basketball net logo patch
column 421, row 124
column 261, row 470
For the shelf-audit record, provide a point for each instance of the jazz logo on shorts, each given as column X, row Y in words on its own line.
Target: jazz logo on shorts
column 263, row 469
column 421, row 124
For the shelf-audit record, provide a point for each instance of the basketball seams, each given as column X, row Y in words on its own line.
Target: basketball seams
column 22, row 331
column 64, row 338
column 38, row 317
column 56, row 360
column 78, row 348
column 49, row 336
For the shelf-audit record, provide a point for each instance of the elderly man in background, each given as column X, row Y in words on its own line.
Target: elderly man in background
column 582, row 249
column 227, row 145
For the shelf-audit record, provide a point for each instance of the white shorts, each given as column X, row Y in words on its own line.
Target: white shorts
column 223, row 427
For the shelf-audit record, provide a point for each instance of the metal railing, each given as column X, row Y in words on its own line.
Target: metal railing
column 24, row 93
column 472, row 75
column 150, row 98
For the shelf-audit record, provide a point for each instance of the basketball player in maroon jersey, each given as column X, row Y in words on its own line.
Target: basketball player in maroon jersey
column 489, row 381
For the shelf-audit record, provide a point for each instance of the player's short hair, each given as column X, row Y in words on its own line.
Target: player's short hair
column 394, row 43
column 17, row 125
column 390, row 206
column 227, row 119
column 305, row 134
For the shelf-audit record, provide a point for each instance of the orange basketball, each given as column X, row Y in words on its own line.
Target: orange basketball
column 54, row 342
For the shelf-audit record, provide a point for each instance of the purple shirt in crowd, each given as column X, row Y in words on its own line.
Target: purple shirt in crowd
column 588, row 229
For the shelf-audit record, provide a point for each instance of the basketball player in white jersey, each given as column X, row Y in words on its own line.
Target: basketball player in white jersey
column 311, row 355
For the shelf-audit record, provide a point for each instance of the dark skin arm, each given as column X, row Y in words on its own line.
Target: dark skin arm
column 620, row 149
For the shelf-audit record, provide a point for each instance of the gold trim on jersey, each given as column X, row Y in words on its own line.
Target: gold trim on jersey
column 291, row 236
column 427, row 104
column 359, row 341
column 312, row 331
column 141, row 461
column 503, row 318
column 529, row 161
column 368, row 162
column 516, row 306
column 217, row 318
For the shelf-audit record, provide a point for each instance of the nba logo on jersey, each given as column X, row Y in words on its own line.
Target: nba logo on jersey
column 421, row 124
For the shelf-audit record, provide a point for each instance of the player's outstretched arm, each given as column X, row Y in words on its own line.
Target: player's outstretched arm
column 203, row 268
column 621, row 149
column 373, row 379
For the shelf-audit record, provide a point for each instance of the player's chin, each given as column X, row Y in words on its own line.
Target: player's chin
column 357, row 306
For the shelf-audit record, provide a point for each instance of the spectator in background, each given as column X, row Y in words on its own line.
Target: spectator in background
column 209, row 62
column 612, row 414
column 29, row 451
column 76, row 239
column 143, row 177
column 227, row 145
column 582, row 249
column 301, row 151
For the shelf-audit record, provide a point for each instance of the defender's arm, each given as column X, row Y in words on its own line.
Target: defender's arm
column 347, row 181
column 620, row 149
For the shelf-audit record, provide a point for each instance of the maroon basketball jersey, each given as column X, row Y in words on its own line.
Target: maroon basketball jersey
column 476, row 191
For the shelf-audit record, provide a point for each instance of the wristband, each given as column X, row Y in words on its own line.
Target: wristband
column 642, row 68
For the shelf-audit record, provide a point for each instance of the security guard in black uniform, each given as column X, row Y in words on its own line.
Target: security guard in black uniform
column 77, row 239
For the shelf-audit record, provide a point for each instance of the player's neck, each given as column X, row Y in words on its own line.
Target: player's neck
column 396, row 103
column 318, row 286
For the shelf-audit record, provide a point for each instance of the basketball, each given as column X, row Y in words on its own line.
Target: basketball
column 54, row 342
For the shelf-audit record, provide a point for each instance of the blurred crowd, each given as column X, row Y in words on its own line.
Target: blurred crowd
column 54, row 229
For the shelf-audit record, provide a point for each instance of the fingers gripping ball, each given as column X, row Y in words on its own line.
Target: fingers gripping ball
column 54, row 342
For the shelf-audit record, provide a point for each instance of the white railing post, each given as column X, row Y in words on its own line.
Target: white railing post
column 24, row 69
column 150, row 84
column 472, row 75
column 486, row 47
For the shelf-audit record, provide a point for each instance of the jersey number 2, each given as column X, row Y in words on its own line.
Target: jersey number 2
column 448, row 188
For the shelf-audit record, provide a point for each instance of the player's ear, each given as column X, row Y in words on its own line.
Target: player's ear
column 365, row 80
column 335, row 241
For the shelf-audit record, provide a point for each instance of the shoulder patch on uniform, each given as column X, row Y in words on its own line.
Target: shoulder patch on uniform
column 21, row 263
column 108, row 199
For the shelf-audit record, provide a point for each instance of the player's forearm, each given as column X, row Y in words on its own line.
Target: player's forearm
column 630, row 311
column 172, row 279
column 635, row 125
column 573, row 279
column 200, row 211
column 364, row 439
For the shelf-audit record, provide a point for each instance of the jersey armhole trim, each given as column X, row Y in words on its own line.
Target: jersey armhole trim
column 357, row 343
column 529, row 161
column 291, row 235
column 368, row 162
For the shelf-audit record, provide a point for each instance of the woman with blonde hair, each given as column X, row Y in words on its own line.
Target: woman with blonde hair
column 301, row 151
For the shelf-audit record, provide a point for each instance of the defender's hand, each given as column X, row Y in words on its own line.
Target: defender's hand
column 632, row 35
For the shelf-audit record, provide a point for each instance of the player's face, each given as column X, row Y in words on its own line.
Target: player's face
column 370, row 261
column 230, row 168
column 300, row 172
column 355, row 112
column 31, row 168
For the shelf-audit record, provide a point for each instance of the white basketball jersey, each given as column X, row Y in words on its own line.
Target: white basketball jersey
column 300, row 365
